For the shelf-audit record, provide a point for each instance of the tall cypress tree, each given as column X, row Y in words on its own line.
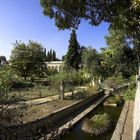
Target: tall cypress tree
column 73, row 58
column 51, row 57
column 54, row 55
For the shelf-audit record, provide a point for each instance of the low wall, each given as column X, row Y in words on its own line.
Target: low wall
column 34, row 130
column 136, row 120
column 119, row 130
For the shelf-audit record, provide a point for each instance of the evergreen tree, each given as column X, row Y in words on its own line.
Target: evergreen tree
column 73, row 55
column 53, row 55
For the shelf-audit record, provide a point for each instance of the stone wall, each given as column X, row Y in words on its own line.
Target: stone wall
column 122, row 132
column 34, row 130
column 136, row 120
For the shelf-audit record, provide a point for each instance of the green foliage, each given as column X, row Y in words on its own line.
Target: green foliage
column 51, row 71
column 7, row 116
column 119, row 57
column 73, row 56
column 68, row 14
column 122, row 15
column 3, row 58
column 116, row 99
column 5, row 81
column 129, row 94
column 132, row 78
column 92, row 89
column 51, row 56
column 3, row 61
column 92, row 62
column 99, row 124
column 68, row 77
column 113, row 82
column 27, row 60
column 65, row 78
column 100, row 120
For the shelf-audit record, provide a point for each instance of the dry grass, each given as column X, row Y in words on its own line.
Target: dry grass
column 35, row 112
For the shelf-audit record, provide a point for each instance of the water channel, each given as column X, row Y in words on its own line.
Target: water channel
column 77, row 134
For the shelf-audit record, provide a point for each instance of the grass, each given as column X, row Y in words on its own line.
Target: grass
column 115, row 99
column 97, row 125
column 129, row 94
column 92, row 89
column 100, row 120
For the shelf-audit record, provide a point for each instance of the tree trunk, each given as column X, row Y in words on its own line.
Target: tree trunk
column 25, row 77
column 61, row 95
column 72, row 91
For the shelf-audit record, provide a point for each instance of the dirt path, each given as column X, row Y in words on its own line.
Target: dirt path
column 38, row 101
column 39, row 111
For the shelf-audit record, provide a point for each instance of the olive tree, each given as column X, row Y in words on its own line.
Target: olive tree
column 27, row 60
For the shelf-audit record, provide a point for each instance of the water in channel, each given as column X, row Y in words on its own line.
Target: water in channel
column 77, row 134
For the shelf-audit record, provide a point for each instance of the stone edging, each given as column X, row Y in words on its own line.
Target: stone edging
column 117, row 135
column 71, row 123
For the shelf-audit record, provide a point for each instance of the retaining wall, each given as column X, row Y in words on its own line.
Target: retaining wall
column 136, row 120
column 33, row 130
column 122, row 124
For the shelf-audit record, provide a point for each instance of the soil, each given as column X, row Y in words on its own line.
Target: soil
column 35, row 112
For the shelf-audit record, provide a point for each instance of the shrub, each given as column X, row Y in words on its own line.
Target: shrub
column 116, row 99
column 99, row 124
column 7, row 116
column 16, row 84
column 129, row 94
column 113, row 82
column 92, row 89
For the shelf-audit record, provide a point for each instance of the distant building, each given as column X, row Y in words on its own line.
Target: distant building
column 55, row 64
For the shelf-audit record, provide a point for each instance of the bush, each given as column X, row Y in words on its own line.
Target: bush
column 92, row 89
column 99, row 124
column 129, row 94
column 16, row 84
column 7, row 116
column 113, row 82
column 116, row 99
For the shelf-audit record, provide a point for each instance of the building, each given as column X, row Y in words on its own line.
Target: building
column 55, row 64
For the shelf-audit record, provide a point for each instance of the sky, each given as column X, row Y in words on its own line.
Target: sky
column 23, row 20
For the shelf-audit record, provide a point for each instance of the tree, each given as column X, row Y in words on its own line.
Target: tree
column 92, row 64
column 27, row 60
column 3, row 58
column 68, row 14
column 120, row 14
column 73, row 58
column 3, row 61
column 119, row 55
column 8, row 116
column 66, row 77
column 51, row 56
column 59, row 81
